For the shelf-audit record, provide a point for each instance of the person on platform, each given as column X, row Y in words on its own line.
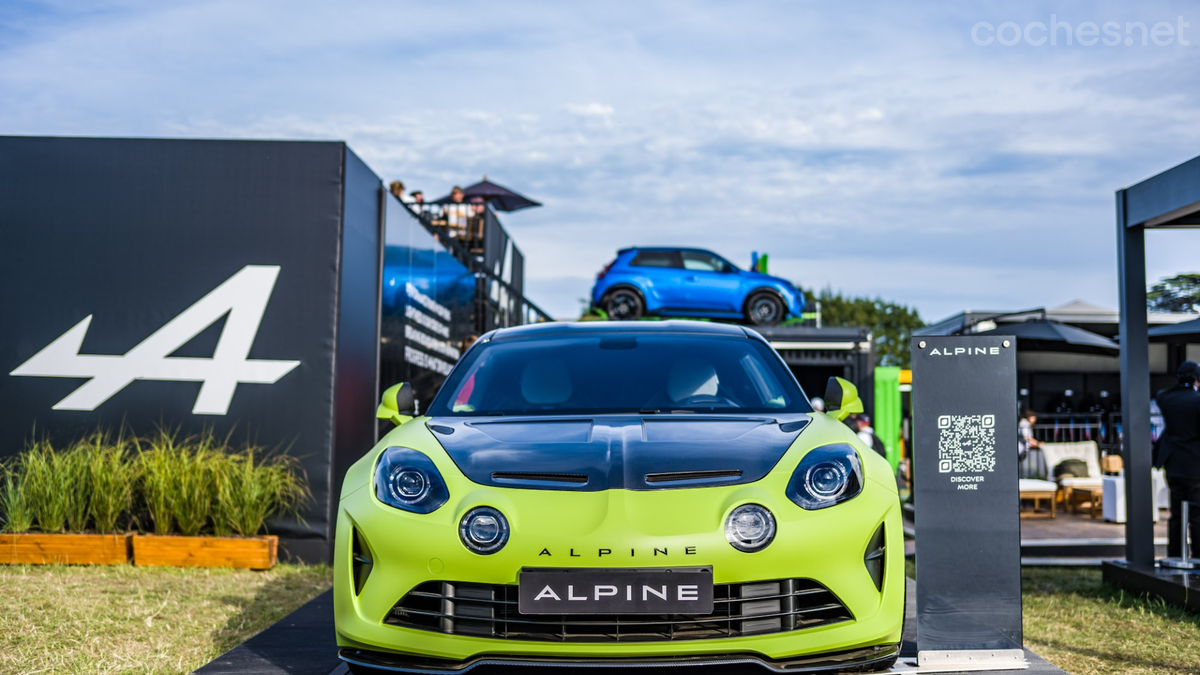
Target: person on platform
column 397, row 189
column 1178, row 451
column 417, row 203
column 1025, row 439
column 456, row 212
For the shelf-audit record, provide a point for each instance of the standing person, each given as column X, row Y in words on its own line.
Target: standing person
column 417, row 204
column 456, row 212
column 397, row 189
column 1179, row 452
column 1025, row 439
column 862, row 425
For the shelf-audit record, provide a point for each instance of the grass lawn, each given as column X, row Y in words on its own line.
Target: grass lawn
column 1076, row 622
column 124, row 619
column 1085, row 627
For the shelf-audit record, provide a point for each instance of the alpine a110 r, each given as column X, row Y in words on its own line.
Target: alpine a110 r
column 619, row 494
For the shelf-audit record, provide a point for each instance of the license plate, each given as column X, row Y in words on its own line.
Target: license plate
column 678, row 590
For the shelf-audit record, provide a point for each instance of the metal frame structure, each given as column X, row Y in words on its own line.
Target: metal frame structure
column 500, row 301
column 852, row 350
column 1169, row 200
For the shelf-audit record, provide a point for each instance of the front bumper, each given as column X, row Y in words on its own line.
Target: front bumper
column 618, row 528
column 870, row 658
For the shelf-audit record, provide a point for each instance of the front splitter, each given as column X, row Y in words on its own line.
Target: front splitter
column 858, row 660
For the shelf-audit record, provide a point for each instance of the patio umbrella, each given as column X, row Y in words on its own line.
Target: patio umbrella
column 500, row 197
column 1043, row 335
column 1187, row 331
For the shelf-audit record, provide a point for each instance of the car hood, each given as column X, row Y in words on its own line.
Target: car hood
column 609, row 452
column 768, row 277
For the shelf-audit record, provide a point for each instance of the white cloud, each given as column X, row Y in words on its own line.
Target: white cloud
column 589, row 109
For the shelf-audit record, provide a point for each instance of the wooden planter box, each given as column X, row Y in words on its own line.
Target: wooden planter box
column 66, row 549
column 251, row 553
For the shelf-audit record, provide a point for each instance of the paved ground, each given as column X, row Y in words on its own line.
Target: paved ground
column 1070, row 539
column 302, row 644
column 1079, row 526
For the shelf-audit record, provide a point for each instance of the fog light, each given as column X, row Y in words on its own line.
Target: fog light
column 483, row 530
column 750, row 528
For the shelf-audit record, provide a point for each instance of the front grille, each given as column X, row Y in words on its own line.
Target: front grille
column 487, row 610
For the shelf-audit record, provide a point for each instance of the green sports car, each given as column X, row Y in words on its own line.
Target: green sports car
column 619, row 494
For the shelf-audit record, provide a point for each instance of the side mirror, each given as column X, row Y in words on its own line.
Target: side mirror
column 841, row 399
column 397, row 404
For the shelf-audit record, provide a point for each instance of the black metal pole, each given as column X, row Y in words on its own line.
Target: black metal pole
column 1135, row 389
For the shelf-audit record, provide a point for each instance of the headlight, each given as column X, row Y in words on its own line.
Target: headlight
column 827, row 475
column 483, row 530
column 408, row 480
column 750, row 528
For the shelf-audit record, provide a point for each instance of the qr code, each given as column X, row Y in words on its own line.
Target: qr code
column 966, row 443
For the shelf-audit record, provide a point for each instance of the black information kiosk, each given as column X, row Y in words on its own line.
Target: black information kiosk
column 967, row 503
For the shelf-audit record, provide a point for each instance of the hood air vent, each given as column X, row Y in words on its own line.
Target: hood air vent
column 575, row 478
column 679, row 476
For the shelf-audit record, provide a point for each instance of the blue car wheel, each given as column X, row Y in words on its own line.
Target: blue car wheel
column 624, row 304
column 764, row 308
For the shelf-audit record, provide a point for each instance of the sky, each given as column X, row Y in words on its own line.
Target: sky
column 875, row 148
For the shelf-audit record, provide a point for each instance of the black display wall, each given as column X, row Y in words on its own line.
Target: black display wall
column 231, row 285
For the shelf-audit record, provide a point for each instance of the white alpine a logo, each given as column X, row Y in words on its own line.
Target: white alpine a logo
column 242, row 296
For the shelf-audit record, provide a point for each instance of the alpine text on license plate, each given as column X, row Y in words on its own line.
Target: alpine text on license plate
column 680, row 590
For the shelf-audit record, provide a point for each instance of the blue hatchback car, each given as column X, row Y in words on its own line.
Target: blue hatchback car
column 691, row 282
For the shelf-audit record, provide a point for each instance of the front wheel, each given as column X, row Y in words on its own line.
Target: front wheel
column 624, row 304
column 764, row 308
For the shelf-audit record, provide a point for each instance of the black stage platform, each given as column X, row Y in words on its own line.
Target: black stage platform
column 302, row 644
column 1175, row 586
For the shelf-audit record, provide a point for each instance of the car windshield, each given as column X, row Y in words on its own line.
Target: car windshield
column 620, row 373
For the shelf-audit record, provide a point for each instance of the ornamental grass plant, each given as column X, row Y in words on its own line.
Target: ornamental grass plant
column 172, row 483
column 252, row 486
column 192, row 496
column 112, row 470
column 156, row 471
column 14, row 507
column 46, row 482
column 72, row 464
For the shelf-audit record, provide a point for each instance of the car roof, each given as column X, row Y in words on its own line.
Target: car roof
column 665, row 248
column 580, row 328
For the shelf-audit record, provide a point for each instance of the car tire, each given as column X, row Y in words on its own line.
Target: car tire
column 764, row 308
column 624, row 304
